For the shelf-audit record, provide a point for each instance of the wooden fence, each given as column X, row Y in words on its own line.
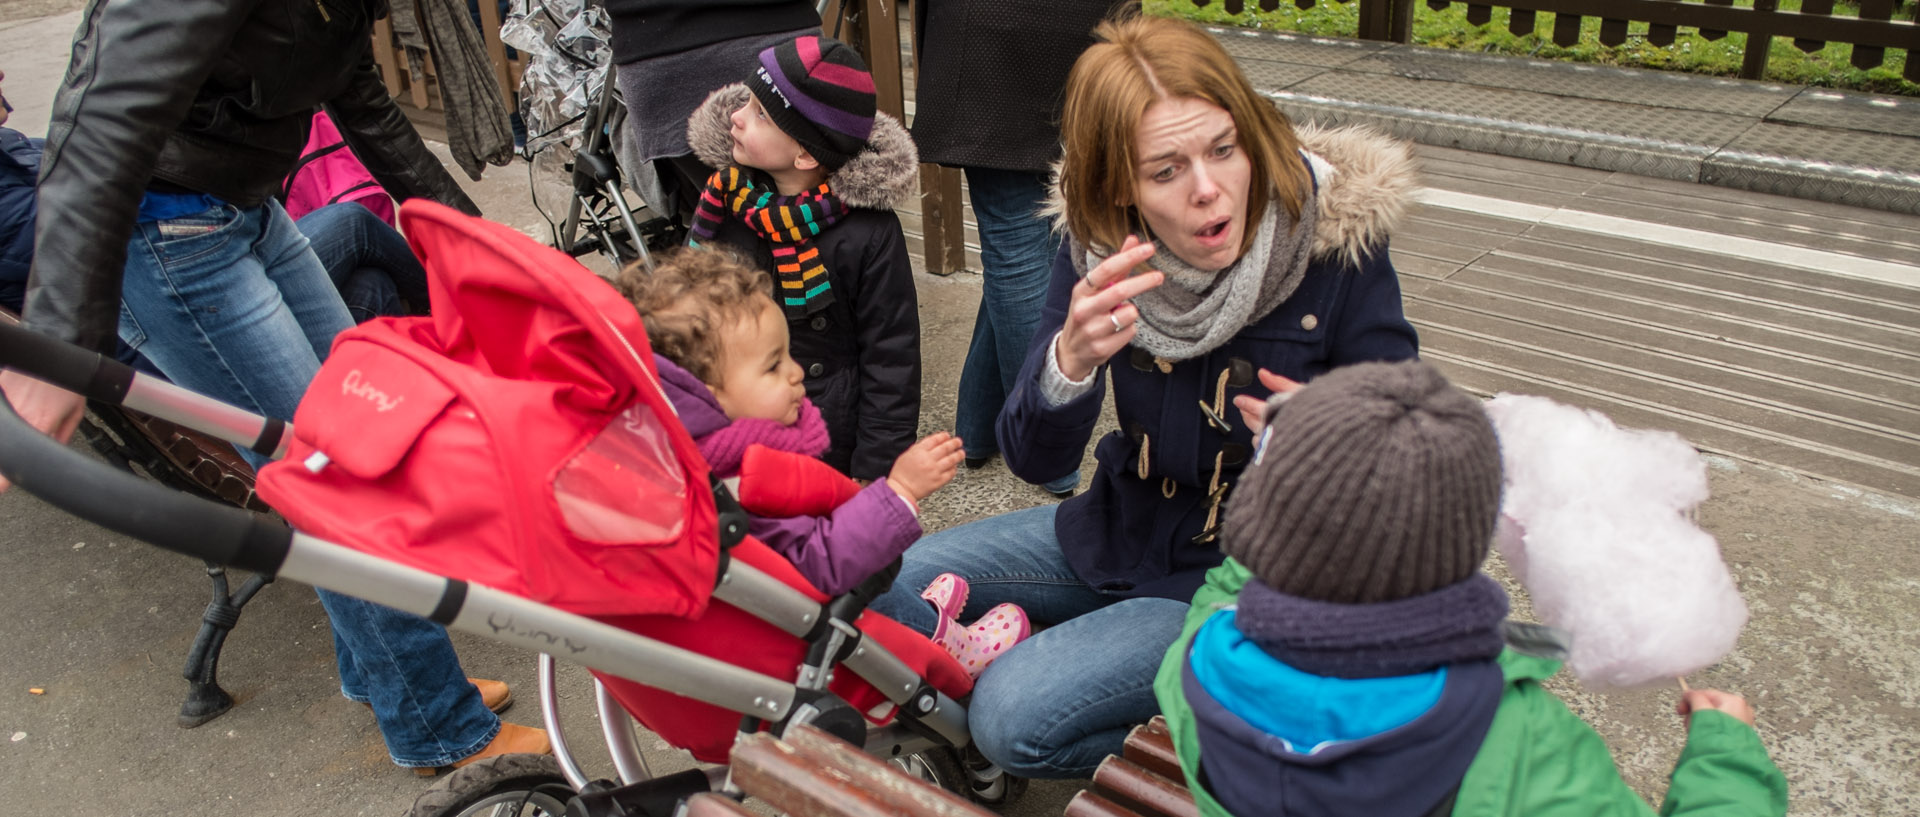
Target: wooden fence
column 1815, row 25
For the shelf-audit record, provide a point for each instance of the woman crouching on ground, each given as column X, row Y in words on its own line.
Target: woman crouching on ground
column 1215, row 255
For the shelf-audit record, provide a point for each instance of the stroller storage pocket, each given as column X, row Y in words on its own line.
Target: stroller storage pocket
column 367, row 407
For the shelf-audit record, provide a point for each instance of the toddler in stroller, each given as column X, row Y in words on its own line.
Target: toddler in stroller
column 520, row 439
column 721, row 349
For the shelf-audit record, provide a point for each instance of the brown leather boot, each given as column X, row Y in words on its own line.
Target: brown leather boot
column 495, row 694
column 513, row 739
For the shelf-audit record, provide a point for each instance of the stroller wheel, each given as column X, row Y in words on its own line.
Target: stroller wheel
column 989, row 785
column 938, row 766
column 500, row 786
column 965, row 773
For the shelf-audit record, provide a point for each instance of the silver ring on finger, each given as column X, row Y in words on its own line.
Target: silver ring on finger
column 1117, row 326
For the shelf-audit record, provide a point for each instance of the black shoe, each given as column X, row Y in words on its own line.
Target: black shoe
column 1066, row 494
column 977, row 463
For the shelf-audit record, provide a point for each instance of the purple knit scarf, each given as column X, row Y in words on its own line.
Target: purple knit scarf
column 1459, row 622
column 723, row 449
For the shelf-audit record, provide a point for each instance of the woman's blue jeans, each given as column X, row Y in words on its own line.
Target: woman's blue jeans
column 232, row 303
column 368, row 261
column 1017, row 247
column 1061, row 701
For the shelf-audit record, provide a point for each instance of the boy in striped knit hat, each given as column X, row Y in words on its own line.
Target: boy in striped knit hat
column 808, row 173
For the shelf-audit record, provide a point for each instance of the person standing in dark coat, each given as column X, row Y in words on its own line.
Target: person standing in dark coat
column 670, row 54
column 809, row 174
column 988, row 102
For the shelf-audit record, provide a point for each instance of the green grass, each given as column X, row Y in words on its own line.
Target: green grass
column 1690, row 52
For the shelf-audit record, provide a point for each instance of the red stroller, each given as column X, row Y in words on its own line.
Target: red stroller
column 510, row 467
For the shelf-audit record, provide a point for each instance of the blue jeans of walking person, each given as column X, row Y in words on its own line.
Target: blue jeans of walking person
column 1059, row 702
column 232, row 303
column 368, row 261
column 1017, row 247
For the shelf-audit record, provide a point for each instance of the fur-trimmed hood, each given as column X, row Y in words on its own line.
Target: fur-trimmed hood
column 1365, row 178
column 882, row 177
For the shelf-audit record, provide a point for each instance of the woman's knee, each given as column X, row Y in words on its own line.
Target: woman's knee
column 1034, row 720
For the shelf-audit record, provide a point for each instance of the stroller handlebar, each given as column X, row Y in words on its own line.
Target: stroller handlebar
column 127, row 504
column 89, row 373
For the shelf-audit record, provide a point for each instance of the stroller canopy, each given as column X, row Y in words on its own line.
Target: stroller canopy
column 517, row 438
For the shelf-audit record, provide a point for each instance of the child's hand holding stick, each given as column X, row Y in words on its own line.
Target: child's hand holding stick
column 1695, row 700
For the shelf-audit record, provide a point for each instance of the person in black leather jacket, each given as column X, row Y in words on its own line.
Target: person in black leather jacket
column 174, row 126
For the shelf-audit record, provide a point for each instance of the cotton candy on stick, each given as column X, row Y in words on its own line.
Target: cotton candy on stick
column 1596, row 525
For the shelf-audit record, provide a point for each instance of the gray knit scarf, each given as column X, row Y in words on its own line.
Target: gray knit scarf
column 1197, row 310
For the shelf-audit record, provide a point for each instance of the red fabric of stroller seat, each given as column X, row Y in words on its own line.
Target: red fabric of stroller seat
column 732, row 635
column 517, row 438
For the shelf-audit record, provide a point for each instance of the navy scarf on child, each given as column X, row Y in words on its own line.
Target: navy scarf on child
column 1459, row 622
column 790, row 222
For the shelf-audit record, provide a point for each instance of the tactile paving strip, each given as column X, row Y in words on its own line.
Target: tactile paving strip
column 1523, row 108
column 1267, row 74
column 1639, row 157
column 1243, row 43
column 1849, row 167
column 1571, row 79
column 1842, row 109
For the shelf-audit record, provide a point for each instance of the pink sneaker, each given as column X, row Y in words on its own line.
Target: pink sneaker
column 989, row 638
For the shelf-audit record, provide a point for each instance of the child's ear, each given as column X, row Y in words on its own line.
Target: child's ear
column 805, row 161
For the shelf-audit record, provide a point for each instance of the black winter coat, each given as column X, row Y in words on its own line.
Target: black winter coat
column 992, row 73
column 213, row 96
column 862, row 353
column 651, row 28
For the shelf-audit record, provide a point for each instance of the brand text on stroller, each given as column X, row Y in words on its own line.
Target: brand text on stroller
column 356, row 385
column 506, row 624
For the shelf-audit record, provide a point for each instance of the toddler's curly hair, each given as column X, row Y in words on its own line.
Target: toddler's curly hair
column 692, row 293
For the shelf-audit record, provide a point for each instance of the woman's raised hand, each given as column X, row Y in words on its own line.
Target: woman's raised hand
column 1253, row 410
column 1101, row 316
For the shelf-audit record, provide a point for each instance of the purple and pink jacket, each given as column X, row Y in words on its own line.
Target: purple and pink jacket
column 834, row 552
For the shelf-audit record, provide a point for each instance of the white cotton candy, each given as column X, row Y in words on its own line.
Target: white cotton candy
column 1596, row 524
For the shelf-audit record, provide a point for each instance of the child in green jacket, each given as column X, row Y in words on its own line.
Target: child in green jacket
column 1349, row 656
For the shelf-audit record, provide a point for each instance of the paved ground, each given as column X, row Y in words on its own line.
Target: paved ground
column 1507, row 296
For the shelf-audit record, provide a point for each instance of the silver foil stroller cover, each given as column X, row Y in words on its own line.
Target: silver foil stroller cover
column 568, row 46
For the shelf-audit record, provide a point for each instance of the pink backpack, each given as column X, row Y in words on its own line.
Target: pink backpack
column 328, row 173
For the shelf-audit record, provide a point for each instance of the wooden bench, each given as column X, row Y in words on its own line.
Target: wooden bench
column 810, row 773
column 1144, row 780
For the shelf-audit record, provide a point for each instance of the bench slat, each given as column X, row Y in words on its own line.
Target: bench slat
column 1088, row 804
column 1139, row 788
column 1151, row 745
column 813, row 774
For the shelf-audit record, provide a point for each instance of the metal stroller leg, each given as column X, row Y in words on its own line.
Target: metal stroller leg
column 599, row 218
column 205, row 699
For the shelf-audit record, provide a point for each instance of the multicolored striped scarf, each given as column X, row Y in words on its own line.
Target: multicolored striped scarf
column 790, row 222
